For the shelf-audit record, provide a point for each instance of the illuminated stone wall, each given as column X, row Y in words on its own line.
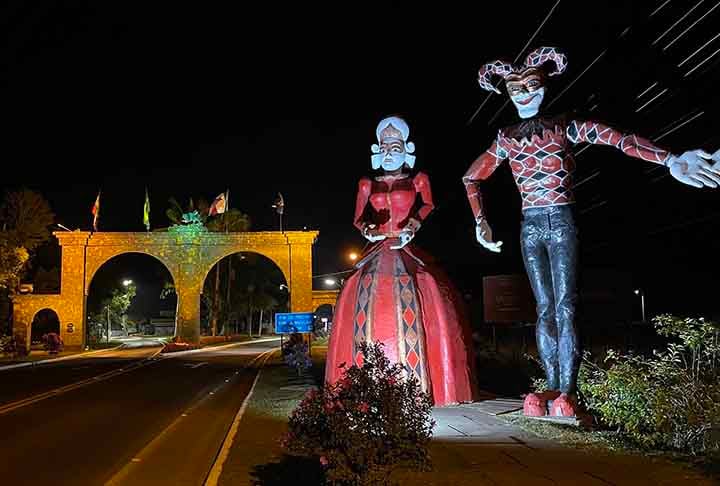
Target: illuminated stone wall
column 321, row 297
column 188, row 256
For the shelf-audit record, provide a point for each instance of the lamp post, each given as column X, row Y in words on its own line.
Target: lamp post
column 642, row 302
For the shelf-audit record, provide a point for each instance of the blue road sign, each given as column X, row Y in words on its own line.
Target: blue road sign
column 290, row 322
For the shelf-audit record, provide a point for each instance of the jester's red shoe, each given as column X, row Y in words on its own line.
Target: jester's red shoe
column 535, row 404
column 564, row 406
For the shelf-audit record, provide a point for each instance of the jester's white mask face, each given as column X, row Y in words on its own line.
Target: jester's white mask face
column 526, row 91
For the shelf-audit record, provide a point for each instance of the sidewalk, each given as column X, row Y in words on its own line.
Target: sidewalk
column 471, row 445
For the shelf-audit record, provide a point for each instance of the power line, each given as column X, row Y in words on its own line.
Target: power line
column 578, row 77
column 678, row 21
column 698, row 50
column 703, row 62
column 652, row 99
column 691, row 26
column 658, row 9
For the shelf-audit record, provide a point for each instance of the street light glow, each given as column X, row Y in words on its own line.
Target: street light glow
column 637, row 292
column 353, row 256
column 330, row 281
column 127, row 282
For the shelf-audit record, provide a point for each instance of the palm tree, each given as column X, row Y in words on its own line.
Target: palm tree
column 231, row 220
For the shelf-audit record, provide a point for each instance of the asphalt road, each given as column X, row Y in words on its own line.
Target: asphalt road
column 122, row 417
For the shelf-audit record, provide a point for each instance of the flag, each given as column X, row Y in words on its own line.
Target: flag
column 219, row 205
column 279, row 204
column 96, row 211
column 146, row 211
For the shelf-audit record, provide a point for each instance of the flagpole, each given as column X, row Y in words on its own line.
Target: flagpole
column 229, row 269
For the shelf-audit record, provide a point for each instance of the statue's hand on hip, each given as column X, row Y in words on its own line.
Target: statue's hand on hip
column 371, row 233
column 404, row 238
column 696, row 168
column 483, row 233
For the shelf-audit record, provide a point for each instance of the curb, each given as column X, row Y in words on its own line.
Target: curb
column 53, row 360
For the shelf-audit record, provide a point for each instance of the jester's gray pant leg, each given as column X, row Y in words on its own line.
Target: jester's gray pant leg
column 549, row 247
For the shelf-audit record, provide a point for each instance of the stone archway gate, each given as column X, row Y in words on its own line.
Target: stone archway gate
column 189, row 257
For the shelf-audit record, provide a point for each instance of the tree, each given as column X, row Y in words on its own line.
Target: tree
column 12, row 261
column 25, row 217
column 232, row 220
column 113, row 308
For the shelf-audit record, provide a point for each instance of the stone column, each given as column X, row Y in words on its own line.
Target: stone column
column 188, row 286
column 187, row 317
column 301, row 270
column 72, row 287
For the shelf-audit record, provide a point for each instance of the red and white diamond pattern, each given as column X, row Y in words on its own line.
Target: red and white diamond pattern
column 632, row 145
column 414, row 356
column 361, row 322
column 542, row 170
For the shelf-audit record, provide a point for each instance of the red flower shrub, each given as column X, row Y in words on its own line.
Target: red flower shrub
column 369, row 423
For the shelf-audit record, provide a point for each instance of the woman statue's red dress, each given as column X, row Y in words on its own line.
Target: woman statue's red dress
column 396, row 295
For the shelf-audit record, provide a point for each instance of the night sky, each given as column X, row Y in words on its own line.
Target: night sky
column 189, row 102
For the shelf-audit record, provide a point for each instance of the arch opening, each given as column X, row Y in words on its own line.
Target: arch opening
column 130, row 295
column 44, row 322
column 241, row 294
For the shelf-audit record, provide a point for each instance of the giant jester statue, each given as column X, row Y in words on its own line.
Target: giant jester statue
column 540, row 152
column 396, row 295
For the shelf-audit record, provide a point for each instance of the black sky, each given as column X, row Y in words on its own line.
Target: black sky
column 275, row 97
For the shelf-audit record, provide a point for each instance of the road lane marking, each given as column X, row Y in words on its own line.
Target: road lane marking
column 200, row 398
column 216, row 469
column 9, row 407
column 154, row 358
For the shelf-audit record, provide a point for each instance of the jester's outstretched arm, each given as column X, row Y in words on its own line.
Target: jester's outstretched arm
column 481, row 169
column 692, row 167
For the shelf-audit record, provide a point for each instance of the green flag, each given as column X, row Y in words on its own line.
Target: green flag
column 146, row 211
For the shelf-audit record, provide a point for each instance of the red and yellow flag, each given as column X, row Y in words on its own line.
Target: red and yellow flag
column 96, row 212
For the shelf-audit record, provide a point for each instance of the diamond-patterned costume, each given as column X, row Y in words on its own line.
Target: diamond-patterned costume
column 399, row 298
column 542, row 165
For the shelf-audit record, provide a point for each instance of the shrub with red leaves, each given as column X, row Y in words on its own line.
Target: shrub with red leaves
column 371, row 422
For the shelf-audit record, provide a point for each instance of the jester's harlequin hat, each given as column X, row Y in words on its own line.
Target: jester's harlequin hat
column 534, row 60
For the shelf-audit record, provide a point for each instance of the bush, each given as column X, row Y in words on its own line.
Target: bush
column 670, row 400
column 7, row 345
column 369, row 423
column 296, row 354
column 53, row 343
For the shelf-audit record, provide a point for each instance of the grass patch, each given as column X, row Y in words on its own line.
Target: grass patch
column 608, row 441
column 280, row 389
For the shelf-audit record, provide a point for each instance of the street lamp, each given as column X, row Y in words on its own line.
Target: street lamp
column 283, row 286
column 127, row 282
column 353, row 256
column 330, row 282
column 642, row 301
